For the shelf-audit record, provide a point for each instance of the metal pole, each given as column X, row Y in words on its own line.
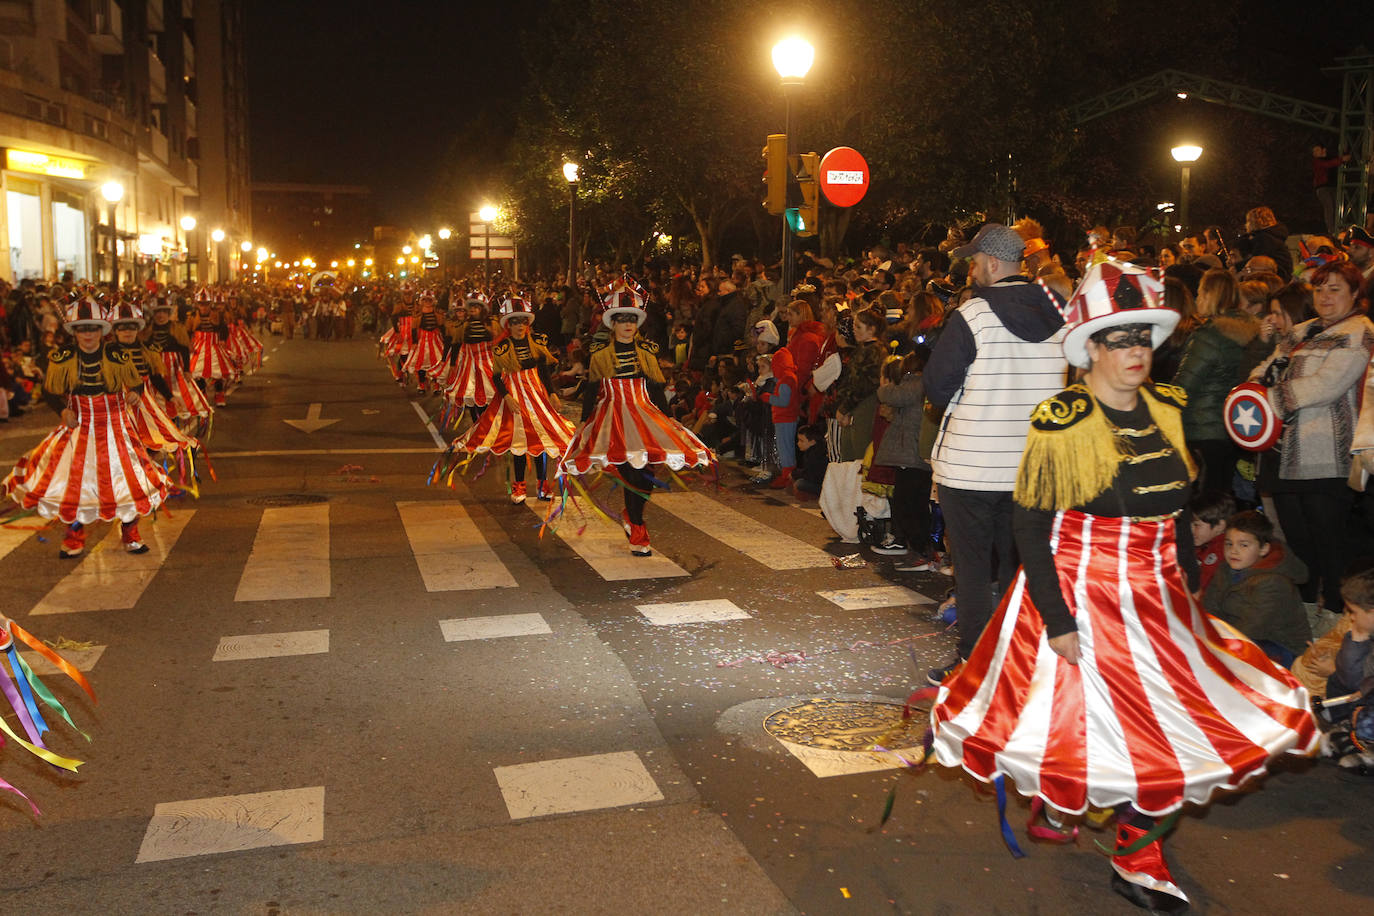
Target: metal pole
column 486, row 261
column 789, row 278
column 114, row 248
column 1183, row 202
column 572, row 245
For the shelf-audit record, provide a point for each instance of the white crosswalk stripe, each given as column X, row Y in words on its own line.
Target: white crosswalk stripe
column 108, row 578
column 290, row 557
column 603, row 545
column 11, row 538
column 449, row 548
column 754, row 539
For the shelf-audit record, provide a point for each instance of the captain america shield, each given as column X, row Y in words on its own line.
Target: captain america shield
column 1250, row 420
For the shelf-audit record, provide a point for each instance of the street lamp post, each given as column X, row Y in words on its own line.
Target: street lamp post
column 188, row 225
column 445, row 233
column 1185, row 155
column 792, row 58
column 217, row 237
column 113, row 192
column 570, row 172
column 488, row 215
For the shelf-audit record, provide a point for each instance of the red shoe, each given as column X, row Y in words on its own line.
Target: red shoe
column 782, row 481
column 73, row 542
column 639, row 541
column 1142, row 877
column 517, row 493
column 219, row 398
column 545, row 491
column 128, row 533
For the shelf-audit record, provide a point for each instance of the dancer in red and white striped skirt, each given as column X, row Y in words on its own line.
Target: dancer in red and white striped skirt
column 211, row 364
column 167, row 338
column 622, row 426
column 473, row 384
column 525, row 420
column 91, row 467
column 1099, row 682
column 155, row 429
column 427, row 348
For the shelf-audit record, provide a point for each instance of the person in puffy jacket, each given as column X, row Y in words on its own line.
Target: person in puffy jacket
column 1218, row 356
column 784, row 401
column 809, row 342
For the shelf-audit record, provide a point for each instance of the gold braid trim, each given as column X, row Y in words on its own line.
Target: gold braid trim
column 1072, row 455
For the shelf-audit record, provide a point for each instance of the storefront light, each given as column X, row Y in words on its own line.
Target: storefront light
column 150, row 245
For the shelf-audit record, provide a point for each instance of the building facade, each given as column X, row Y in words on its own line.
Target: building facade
column 118, row 121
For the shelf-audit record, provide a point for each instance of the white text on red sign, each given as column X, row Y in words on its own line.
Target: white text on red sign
column 846, row 177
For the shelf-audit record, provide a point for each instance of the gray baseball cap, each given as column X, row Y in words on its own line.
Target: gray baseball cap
column 994, row 240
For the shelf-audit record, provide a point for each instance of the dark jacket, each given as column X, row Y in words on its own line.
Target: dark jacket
column 1263, row 601
column 901, row 445
column 729, row 327
column 1355, row 664
column 1218, row 356
column 1271, row 242
column 860, row 376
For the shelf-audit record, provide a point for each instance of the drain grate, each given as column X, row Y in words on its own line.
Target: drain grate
column 846, row 725
column 289, row 499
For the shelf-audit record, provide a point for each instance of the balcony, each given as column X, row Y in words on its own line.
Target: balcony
column 155, row 21
column 107, row 27
column 157, row 78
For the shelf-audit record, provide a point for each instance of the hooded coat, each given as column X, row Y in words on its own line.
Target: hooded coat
column 1263, row 601
column 1219, row 356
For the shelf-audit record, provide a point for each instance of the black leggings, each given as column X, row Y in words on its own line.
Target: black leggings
column 1315, row 515
column 635, row 479
column 910, row 506
column 541, row 467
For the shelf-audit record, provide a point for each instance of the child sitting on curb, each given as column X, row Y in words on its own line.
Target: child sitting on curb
column 1351, row 742
column 1210, row 510
column 1258, row 591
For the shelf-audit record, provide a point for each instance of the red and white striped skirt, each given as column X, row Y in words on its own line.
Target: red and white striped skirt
column 626, row 427
column 95, row 472
column 155, row 429
column 398, row 343
column 209, row 358
column 426, row 354
column 535, row 428
column 1166, row 704
column 472, row 385
column 248, row 347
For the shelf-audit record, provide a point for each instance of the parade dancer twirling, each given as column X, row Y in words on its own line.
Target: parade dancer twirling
column 91, row 467
column 166, row 337
column 154, row 428
column 210, row 361
column 625, row 424
column 427, row 345
column 1099, row 681
column 525, row 420
column 473, row 383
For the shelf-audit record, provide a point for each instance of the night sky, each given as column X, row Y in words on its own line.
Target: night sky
column 374, row 94
column 371, row 93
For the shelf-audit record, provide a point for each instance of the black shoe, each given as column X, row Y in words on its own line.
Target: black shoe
column 936, row 676
column 1148, row 899
column 891, row 547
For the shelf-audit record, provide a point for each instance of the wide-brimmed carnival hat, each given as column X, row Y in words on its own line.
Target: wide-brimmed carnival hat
column 83, row 312
column 1114, row 293
column 127, row 313
column 162, row 304
column 515, row 307
column 624, row 298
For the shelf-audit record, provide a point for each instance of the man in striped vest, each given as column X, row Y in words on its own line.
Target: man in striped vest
column 999, row 356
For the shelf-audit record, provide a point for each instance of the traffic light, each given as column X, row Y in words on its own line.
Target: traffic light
column 808, row 178
column 776, row 174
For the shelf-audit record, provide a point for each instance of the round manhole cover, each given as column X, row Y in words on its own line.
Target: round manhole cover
column 289, row 499
column 846, row 725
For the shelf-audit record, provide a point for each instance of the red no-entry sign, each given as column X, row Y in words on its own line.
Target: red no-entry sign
column 844, row 176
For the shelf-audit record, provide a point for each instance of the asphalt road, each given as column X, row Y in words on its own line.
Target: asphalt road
column 387, row 731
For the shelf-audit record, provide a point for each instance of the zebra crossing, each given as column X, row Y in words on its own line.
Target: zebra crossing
column 290, row 558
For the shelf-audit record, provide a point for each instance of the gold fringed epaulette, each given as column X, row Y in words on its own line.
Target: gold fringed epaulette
column 502, row 348
column 648, row 345
column 60, row 354
column 1071, row 455
column 597, row 346
column 1172, row 395
column 541, row 339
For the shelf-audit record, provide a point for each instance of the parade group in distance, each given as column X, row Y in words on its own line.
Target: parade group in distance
column 1129, row 643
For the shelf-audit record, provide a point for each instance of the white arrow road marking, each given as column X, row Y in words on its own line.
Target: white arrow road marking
column 312, row 420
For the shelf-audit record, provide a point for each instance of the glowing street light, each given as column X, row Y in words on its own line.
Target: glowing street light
column 570, row 170
column 245, row 246
column 367, row 262
column 426, row 243
column 792, row 58
column 488, row 213
column 1185, row 155
column 112, row 191
column 188, row 222
column 445, row 233
column 262, row 255
column 400, row 261
column 217, row 235
column 406, row 249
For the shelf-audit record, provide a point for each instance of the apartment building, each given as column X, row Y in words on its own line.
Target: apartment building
column 123, row 131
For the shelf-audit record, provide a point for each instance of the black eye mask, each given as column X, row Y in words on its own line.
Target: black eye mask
column 1125, row 338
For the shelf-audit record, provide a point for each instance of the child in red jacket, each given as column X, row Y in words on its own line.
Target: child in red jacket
column 1210, row 510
